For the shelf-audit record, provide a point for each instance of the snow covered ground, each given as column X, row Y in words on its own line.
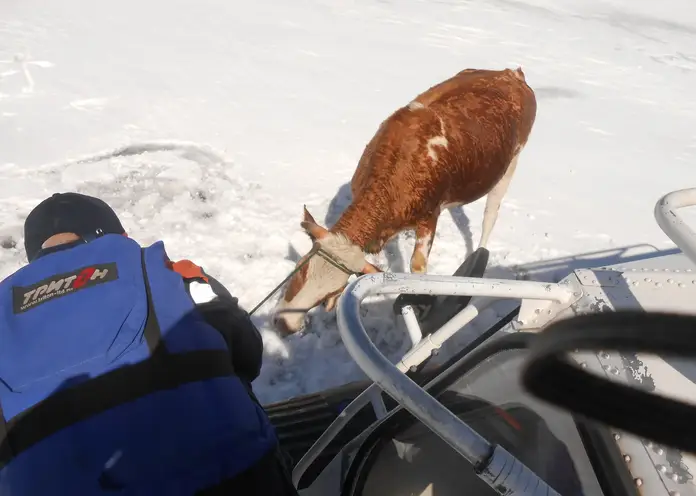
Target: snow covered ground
column 281, row 97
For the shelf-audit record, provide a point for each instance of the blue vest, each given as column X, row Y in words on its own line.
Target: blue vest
column 112, row 383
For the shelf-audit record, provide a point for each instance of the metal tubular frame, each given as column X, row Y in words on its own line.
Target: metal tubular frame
column 491, row 461
column 392, row 380
column 419, row 352
column 673, row 225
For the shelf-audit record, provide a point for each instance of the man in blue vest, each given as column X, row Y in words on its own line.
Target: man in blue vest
column 123, row 372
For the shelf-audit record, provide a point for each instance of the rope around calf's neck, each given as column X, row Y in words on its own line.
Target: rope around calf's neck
column 314, row 251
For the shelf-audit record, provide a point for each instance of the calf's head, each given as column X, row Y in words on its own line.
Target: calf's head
column 317, row 280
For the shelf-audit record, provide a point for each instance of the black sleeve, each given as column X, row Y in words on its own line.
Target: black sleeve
column 234, row 323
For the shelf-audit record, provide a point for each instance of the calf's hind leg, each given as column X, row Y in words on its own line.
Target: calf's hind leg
column 493, row 201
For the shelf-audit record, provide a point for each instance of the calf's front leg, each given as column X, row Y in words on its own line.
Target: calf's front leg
column 425, row 233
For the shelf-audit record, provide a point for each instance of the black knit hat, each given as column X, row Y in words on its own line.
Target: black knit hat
column 74, row 213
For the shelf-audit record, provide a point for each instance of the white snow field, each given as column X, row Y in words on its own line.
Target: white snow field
column 278, row 99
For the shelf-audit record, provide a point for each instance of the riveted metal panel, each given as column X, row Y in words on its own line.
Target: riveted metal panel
column 663, row 284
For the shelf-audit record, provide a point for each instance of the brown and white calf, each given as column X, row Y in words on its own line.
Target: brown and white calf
column 453, row 144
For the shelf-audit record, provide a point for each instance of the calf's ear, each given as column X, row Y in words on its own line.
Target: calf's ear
column 314, row 230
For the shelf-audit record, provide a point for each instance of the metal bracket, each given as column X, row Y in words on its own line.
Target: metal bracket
column 535, row 314
column 598, row 278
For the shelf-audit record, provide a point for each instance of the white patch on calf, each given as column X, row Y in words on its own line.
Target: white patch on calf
column 323, row 278
column 414, row 105
column 433, row 142
column 437, row 141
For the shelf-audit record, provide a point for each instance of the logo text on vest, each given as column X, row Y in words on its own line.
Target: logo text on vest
column 27, row 297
